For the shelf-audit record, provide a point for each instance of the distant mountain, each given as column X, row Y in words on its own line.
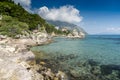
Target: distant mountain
column 67, row 25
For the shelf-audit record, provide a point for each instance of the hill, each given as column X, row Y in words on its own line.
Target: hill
column 19, row 14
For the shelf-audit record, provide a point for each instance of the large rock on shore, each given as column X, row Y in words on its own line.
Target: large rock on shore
column 13, row 63
column 30, row 39
column 13, row 71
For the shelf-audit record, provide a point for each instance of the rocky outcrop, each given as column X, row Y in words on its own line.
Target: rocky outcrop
column 17, row 62
column 14, row 58
column 33, row 38
column 14, row 62
column 10, row 70
column 53, row 34
column 76, row 34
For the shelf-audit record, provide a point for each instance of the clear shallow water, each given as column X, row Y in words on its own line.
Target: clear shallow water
column 103, row 49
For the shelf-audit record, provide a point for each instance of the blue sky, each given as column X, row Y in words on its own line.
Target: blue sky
column 95, row 16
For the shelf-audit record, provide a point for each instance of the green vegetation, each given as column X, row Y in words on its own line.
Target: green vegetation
column 19, row 19
column 50, row 28
column 16, row 11
column 12, row 27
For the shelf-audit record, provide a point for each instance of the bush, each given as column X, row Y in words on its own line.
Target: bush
column 12, row 27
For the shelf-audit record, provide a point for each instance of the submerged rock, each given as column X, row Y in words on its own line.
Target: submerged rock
column 49, row 74
column 38, row 77
column 61, row 75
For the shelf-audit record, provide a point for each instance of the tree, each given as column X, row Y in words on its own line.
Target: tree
column 19, row 4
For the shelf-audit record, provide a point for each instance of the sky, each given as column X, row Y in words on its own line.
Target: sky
column 94, row 16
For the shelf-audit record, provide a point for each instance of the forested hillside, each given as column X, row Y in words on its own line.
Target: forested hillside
column 18, row 15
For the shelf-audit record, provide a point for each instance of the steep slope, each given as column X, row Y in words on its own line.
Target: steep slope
column 16, row 11
column 8, row 7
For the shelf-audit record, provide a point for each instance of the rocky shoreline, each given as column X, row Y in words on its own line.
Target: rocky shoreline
column 17, row 62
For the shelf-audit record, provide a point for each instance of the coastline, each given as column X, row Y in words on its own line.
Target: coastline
column 17, row 59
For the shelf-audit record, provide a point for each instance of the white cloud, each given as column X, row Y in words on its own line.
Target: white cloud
column 25, row 3
column 65, row 13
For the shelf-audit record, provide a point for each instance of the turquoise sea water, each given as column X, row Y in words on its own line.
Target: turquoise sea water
column 101, row 48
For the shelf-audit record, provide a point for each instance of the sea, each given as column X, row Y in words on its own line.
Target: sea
column 103, row 49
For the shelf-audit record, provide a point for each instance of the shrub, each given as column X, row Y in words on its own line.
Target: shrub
column 12, row 27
